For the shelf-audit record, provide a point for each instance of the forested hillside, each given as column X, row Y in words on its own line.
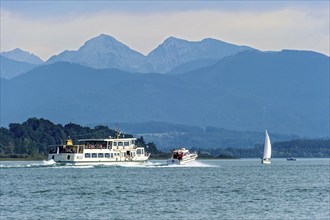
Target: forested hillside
column 32, row 137
column 300, row 148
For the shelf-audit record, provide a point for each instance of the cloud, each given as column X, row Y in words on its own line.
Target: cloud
column 283, row 28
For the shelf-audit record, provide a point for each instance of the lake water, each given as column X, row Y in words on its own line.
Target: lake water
column 205, row 189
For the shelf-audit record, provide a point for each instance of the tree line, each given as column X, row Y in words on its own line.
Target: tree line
column 302, row 148
column 32, row 138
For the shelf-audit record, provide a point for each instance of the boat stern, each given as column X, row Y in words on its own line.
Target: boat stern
column 265, row 161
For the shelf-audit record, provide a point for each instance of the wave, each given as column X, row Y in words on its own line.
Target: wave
column 160, row 164
column 27, row 164
column 163, row 164
column 193, row 164
column 70, row 166
column 53, row 164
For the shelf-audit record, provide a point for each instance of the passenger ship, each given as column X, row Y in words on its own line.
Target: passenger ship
column 99, row 151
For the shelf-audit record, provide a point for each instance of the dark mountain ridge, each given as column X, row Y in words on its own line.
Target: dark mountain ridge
column 286, row 92
column 11, row 68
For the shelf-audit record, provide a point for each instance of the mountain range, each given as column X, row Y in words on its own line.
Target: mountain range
column 104, row 51
column 22, row 56
column 15, row 62
column 174, row 52
column 286, row 92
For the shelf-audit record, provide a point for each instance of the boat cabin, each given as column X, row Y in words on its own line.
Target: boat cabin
column 99, row 150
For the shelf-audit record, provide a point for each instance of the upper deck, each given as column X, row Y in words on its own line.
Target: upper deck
column 108, row 143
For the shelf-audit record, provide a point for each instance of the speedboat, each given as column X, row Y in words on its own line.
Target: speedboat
column 291, row 159
column 181, row 156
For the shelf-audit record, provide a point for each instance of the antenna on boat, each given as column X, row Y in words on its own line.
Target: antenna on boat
column 118, row 133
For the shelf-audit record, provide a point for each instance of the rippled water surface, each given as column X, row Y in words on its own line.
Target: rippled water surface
column 205, row 189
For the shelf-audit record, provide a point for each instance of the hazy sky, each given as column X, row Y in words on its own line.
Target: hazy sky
column 46, row 28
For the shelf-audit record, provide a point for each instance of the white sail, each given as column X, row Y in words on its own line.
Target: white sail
column 268, row 147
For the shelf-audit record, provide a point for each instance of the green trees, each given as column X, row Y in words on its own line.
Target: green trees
column 150, row 147
column 32, row 137
column 303, row 148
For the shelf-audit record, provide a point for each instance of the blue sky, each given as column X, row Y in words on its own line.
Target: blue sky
column 53, row 8
column 47, row 28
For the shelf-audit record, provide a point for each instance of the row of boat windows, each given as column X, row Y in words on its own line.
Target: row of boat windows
column 103, row 144
column 120, row 143
column 107, row 155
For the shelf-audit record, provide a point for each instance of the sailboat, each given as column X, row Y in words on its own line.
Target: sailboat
column 267, row 150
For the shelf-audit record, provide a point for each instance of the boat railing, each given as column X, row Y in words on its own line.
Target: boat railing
column 57, row 149
column 103, row 146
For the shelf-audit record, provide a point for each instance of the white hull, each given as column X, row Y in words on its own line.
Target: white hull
column 105, row 163
column 79, row 159
column 265, row 161
column 184, row 160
